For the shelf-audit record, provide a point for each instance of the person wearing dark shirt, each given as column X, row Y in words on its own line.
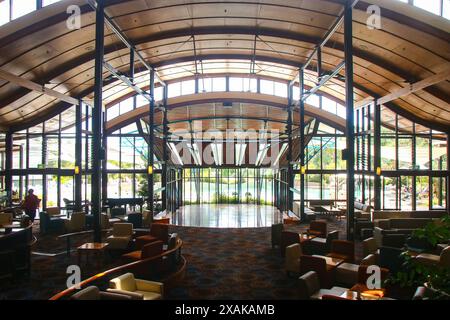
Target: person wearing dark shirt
column 31, row 204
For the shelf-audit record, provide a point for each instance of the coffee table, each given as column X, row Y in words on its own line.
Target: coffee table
column 95, row 248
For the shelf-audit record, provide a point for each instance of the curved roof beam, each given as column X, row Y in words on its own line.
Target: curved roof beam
column 214, row 97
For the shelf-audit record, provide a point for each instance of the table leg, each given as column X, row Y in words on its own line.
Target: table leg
column 79, row 258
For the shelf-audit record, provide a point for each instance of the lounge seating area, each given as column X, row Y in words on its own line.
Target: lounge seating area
column 224, row 150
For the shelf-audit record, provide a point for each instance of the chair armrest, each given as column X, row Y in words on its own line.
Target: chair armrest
column 133, row 295
column 114, row 296
column 370, row 260
column 150, row 286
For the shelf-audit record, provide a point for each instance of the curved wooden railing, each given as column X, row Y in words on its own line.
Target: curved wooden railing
column 123, row 268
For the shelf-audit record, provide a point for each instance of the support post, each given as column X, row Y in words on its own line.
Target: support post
column 97, row 121
column 290, row 177
column 78, row 155
column 8, row 167
column 377, row 155
column 302, row 145
column 448, row 174
column 151, row 135
column 165, row 154
column 350, row 132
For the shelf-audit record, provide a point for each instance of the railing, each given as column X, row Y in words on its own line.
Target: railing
column 124, row 268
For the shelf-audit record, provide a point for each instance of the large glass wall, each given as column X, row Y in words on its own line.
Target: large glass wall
column 228, row 185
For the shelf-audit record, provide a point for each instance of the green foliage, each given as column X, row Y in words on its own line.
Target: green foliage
column 435, row 232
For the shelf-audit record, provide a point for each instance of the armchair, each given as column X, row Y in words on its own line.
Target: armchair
column 443, row 260
column 136, row 219
column 93, row 293
column 292, row 259
column 49, row 221
column 158, row 231
column 322, row 246
column 288, row 238
column 147, row 218
column 121, row 236
column 370, row 246
column 318, row 228
column 137, row 288
column 342, row 249
column 76, row 223
column 310, row 288
column 318, row 265
column 6, row 219
column 149, row 250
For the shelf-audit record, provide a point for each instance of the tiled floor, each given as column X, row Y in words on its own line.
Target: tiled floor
column 226, row 216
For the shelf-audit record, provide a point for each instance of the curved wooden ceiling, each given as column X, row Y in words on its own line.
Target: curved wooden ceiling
column 412, row 45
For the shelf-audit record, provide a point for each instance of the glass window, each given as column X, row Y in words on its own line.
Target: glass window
column 126, row 105
column 35, row 156
column 433, row 6
column 49, row 2
column 388, row 155
column 174, row 90
column 188, row 87
column 4, row 12
column 219, row 84
column 281, row 89
column 422, row 193
column 438, row 193
column 113, row 153
column 21, row 7
column 267, row 87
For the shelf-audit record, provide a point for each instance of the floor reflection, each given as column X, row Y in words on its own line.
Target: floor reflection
column 226, row 216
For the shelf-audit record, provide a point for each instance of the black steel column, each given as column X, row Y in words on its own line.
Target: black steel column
column 350, row 152
column 8, row 166
column 104, row 164
column 448, row 174
column 290, row 178
column 377, row 155
column 151, row 113
column 165, row 154
column 302, row 145
column 97, row 120
column 78, row 154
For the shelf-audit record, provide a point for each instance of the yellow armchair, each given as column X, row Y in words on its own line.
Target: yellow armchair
column 292, row 258
column 121, row 236
column 137, row 288
column 76, row 223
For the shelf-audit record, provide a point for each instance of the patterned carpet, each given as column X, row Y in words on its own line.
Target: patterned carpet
column 221, row 264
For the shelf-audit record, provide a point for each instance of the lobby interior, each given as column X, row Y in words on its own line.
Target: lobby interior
column 224, row 150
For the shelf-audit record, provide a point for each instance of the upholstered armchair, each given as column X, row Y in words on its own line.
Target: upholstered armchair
column 318, row 265
column 292, row 259
column 310, row 288
column 6, row 219
column 121, row 236
column 443, row 260
column 149, row 250
column 137, row 288
column 288, row 238
column 136, row 219
column 158, row 232
column 322, row 246
column 370, row 246
column 76, row 223
column 147, row 218
column 49, row 220
column 318, row 228
column 94, row 293
column 342, row 249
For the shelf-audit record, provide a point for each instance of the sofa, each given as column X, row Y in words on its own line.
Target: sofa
column 136, row 288
column 94, row 293
column 397, row 226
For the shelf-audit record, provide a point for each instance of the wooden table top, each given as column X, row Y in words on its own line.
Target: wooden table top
column 93, row 246
column 333, row 262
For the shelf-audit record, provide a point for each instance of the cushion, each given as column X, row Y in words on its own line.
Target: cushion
column 334, row 291
column 150, row 295
column 124, row 282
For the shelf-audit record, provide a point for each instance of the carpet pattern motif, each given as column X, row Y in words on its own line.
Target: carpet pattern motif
column 221, row 264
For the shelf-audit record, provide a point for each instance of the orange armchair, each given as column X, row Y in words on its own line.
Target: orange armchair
column 342, row 249
column 318, row 228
